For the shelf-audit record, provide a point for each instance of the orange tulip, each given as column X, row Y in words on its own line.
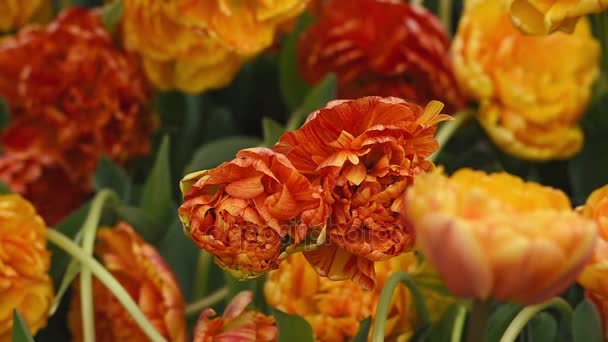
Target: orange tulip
column 365, row 153
column 247, row 211
column 25, row 284
column 16, row 13
column 236, row 324
column 481, row 230
column 148, row 279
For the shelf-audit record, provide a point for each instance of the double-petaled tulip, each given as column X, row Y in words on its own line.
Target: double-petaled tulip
column 148, row 280
column 364, row 153
column 335, row 308
column 236, row 324
column 25, row 284
column 544, row 17
column 248, row 211
column 73, row 97
column 16, row 13
column 530, row 102
column 595, row 275
column 496, row 236
column 247, row 27
column 383, row 48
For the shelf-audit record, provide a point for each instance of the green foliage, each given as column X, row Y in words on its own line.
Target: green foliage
column 5, row 116
column 157, row 198
column 216, row 152
column 272, row 131
column 543, row 327
column 499, row 321
column 20, row 331
column 108, row 175
column 111, row 14
column 364, row 328
column 292, row 328
column 586, row 323
column 316, row 98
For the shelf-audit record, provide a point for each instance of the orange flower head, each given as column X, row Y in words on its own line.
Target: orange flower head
column 16, row 13
column 335, row 308
column 481, row 230
column 146, row 277
column 236, row 324
column 176, row 55
column 365, row 153
column 25, row 284
column 246, row 212
column 530, row 103
column 384, row 48
column 595, row 275
column 73, row 97
column 246, row 26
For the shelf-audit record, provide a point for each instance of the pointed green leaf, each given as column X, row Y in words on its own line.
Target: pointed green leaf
column 20, row 331
column 292, row 328
column 542, row 327
column 317, row 98
column 156, row 197
column 108, row 175
column 500, row 320
column 150, row 229
column 272, row 131
column 363, row 333
column 293, row 87
column 586, row 323
column 216, row 152
column 111, row 15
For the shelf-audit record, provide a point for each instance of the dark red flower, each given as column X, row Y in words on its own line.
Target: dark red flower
column 381, row 48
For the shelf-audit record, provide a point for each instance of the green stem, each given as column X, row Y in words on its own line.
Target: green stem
column 206, row 302
column 89, row 229
column 458, row 327
column 525, row 315
column 445, row 15
column 108, row 281
column 384, row 303
column 201, row 278
column 478, row 321
column 447, row 130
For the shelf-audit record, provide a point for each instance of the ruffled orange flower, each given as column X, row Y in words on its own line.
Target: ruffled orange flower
column 365, row 153
column 595, row 275
column 380, row 48
column 335, row 308
column 247, row 27
column 73, row 97
column 148, row 279
column 482, row 230
column 176, row 55
column 246, row 212
column 546, row 16
column 236, row 324
column 16, row 13
column 25, row 284
column 530, row 102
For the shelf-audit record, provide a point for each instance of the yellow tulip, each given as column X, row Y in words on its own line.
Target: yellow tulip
column 496, row 236
column 546, row 16
column 530, row 103
column 16, row 13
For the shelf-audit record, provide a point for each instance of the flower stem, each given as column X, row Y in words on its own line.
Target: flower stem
column 447, row 130
column 206, row 302
column 478, row 321
column 445, row 15
column 525, row 315
column 458, row 327
column 108, row 281
column 384, row 303
column 89, row 229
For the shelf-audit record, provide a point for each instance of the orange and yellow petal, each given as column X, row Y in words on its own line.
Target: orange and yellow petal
column 547, row 16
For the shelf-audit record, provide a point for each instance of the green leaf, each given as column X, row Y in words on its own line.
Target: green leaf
column 70, row 226
column 364, row 327
column 220, row 123
column 156, row 197
column 542, row 327
column 5, row 116
column 442, row 330
column 20, row 331
column 317, row 98
column 292, row 328
column 499, row 321
column 111, row 15
column 293, row 88
column 586, row 323
column 150, row 229
column 216, row 152
column 108, row 175
column 181, row 255
column 589, row 169
column 272, row 131
column 4, row 189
